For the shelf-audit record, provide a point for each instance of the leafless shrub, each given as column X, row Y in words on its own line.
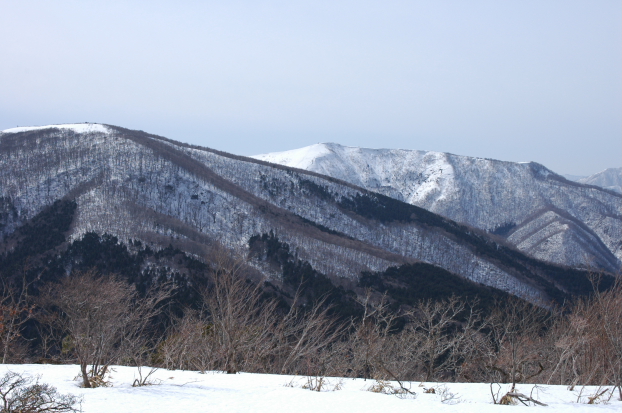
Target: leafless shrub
column 385, row 387
column 306, row 336
column 600, row 395
column 512, row 397
column 381, row 386
column 446, row 395
column 23, row 394
column 316, row 383
column 606, row 320
column 144, row 378
column 321, row 383
column 570, row 342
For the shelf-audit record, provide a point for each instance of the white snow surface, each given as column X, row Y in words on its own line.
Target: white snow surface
column 76, row 127
column 302, row 158
column 189, row 391
column 411, row 176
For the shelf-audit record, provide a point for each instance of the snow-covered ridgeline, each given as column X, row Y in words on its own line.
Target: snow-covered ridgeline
column 76, row 127
column 484, row 193
column 610, row 178
column 384, row 169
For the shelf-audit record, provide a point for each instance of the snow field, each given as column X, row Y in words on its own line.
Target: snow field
column 188, row 391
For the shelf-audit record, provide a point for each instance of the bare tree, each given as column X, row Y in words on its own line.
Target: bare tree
column 438, row 338
column 241, row 321
column 517, row 330
column 103, row 319
column 188, row 344
column 583, row 344
column 368, row 344
column 15, row 311
column 574, row 346
column 608, row 320
column 589, row 341
column 306, row 335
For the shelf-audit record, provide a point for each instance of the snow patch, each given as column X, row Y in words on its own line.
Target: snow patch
column 301, row 158
column 76, row 127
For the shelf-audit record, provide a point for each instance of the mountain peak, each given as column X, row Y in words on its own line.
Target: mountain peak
column 610, row 178
column 300, row 158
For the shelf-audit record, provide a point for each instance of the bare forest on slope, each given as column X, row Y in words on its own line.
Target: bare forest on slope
column 127, row 248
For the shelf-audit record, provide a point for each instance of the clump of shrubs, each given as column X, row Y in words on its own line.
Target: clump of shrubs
column 24, row 394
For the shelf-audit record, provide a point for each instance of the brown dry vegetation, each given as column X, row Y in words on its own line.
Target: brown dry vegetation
column 97, row 321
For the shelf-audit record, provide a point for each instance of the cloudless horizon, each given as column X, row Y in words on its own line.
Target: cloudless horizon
column 513, row 80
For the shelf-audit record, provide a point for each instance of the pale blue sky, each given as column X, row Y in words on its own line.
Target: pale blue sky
column 513, row 80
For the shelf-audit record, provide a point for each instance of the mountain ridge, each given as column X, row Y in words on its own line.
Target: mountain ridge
column 610, row 178
column 485, row 193
column 137, row 186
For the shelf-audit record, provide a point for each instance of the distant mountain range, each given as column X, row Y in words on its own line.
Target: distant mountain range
column 610, row 178
column 84, row 195
column 540, row 212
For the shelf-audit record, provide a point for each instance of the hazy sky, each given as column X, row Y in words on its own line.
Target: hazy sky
column 513, row 80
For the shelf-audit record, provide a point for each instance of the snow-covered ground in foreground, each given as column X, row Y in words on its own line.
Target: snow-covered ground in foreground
column 76, row 127
column 187, row 391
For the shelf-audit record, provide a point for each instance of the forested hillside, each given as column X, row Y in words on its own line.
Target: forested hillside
column 135, row 186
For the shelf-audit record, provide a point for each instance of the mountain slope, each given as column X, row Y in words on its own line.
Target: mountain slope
column 137, row 186
column 523, row 202
column 610, row 178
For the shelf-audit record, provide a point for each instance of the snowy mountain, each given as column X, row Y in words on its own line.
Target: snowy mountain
column 540, row 212
column 137, row 186
column 610, row 178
